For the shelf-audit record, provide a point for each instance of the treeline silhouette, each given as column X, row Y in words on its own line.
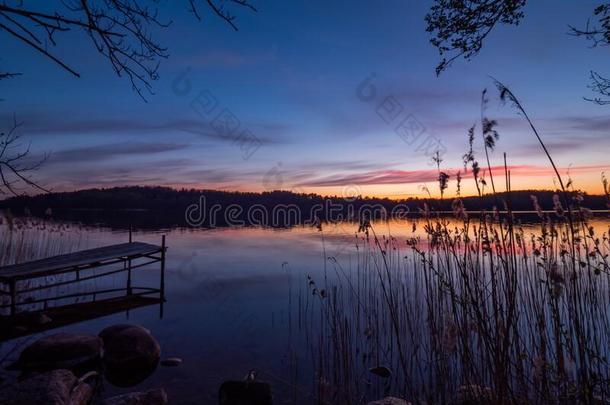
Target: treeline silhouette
column 158, row 207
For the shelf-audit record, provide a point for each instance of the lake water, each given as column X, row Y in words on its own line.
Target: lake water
column 232, row 303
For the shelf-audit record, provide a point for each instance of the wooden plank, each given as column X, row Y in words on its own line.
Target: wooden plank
column 71, row 261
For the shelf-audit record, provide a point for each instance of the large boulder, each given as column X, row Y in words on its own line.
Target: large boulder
column 131, row 354
column 57, row 387
column 73, row 351
column 245, row 393
column 390, row 401
column 151, row 397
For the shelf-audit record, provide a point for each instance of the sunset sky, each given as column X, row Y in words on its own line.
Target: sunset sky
column 292, row 78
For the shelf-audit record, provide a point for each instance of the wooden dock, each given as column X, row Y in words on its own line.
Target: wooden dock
column 120, row 258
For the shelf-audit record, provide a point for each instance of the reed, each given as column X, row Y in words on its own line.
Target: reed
column 481, row 309
column 27, row 238
column 24, row 239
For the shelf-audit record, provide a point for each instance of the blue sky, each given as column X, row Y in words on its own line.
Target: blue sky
column 290, row 76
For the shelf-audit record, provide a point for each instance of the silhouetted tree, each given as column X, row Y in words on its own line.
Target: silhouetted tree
column 118, row 29
column 599, row 35
column 165, row 207
column 459, row 28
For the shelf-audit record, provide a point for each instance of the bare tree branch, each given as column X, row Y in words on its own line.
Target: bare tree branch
column 601, row 86
column 38, row 48
column 16, row 167
column 8, row 75
column 460, row 27
column 224, row 14
column 598, row 35
column 118, row 29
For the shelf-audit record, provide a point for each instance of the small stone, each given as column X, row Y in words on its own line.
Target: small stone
column 390, row 401
column 42, row 319
column 381, row 371
column 245, row 393
column 151, row 397
column 171, row 362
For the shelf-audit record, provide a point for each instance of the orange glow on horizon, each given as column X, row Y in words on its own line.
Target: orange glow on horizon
column 404, row 184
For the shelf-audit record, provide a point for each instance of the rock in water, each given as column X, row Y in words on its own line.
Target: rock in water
column 131, row 354
column 245, row 393
column 171, row 362
column 151, row 397
column 57, row 387
column 381, row 371
column 61, row 351
column 390, row 401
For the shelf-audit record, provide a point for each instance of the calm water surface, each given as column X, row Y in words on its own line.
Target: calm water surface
column 232, row 298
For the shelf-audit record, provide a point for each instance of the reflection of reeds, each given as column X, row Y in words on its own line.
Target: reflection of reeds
column 482, row 304
column 482, row 308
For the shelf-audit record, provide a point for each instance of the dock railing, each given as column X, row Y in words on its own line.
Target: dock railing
column 37, row 276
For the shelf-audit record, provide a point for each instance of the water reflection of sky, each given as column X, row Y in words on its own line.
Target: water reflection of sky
column 228, row 305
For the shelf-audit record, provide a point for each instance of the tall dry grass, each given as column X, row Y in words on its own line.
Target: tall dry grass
column 27, row 238
column 480, row 309
column 24, row 239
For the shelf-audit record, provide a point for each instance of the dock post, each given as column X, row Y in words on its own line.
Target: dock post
column 162, row 267
column 13, row 292
column 129, row 290
column 162, row 286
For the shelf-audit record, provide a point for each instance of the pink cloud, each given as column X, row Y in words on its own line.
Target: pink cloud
column 422, row 176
